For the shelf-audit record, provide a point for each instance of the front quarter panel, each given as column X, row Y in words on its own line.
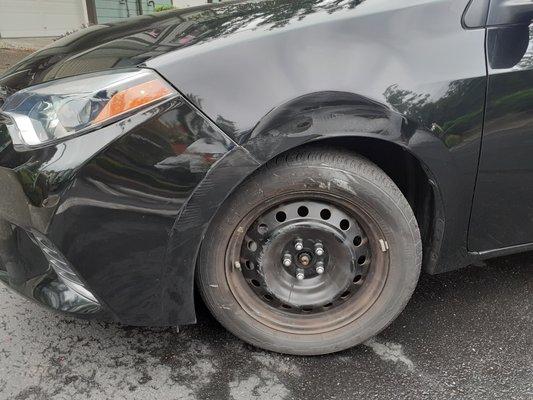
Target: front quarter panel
column 306, row 71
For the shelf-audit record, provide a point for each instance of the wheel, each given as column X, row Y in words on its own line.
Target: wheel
column 315, row 253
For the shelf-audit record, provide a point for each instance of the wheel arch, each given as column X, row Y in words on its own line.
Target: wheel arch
column 333, row 119
column 369, row 128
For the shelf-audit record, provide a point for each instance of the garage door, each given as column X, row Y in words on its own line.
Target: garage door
column 34, row 18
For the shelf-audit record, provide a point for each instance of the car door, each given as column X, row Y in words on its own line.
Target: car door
column 502, row 214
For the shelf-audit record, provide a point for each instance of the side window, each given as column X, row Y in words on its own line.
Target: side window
column 505, row 12
column 476, row 13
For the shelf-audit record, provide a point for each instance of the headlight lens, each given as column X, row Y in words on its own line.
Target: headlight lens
column 44, row 114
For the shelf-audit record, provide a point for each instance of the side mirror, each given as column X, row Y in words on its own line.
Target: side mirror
column 504, row 12
column 507, row 45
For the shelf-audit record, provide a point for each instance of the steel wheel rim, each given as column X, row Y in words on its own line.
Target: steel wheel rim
column 356, row 286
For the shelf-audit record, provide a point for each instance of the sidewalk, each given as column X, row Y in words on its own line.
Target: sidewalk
column 14, row 50
column 25, row 43
column 8, row 57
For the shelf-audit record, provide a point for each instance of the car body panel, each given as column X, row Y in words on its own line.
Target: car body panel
column 502, row 214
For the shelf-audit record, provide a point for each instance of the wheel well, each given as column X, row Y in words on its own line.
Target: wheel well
column 409, row 175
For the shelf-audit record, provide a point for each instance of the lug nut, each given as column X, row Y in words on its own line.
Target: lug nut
column 319, row 250
column 287, row 260
column 320, row 268
column 299, row 246
column 300, row 275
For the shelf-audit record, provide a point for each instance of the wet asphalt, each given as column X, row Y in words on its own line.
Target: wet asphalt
column 465, row 335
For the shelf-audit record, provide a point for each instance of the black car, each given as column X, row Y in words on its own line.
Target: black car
column 297, row 162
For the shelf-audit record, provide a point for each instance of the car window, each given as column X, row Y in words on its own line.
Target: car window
column 475, row 15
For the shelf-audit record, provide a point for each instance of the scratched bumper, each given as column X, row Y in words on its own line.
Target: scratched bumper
column 29, row 262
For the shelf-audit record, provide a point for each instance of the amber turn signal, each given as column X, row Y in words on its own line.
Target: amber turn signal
column 133, row 98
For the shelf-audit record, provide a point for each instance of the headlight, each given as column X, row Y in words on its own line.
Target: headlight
column 45, row 114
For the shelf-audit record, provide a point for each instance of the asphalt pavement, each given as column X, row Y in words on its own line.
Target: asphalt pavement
column 465, row 335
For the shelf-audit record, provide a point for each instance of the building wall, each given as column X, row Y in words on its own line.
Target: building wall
column 113, row 10
column 40, row 18
column 192, row 3
column 52, row 18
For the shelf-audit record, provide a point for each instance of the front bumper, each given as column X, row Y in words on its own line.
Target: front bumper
column 29, row 263
column 88, row 226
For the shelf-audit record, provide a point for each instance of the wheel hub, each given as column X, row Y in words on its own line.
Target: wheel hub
column 305, row 257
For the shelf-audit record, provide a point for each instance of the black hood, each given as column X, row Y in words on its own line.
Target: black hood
column 124, row 44
column 134, row 41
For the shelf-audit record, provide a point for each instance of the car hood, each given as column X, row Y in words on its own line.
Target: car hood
column 120, row 45
column 134, row 41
